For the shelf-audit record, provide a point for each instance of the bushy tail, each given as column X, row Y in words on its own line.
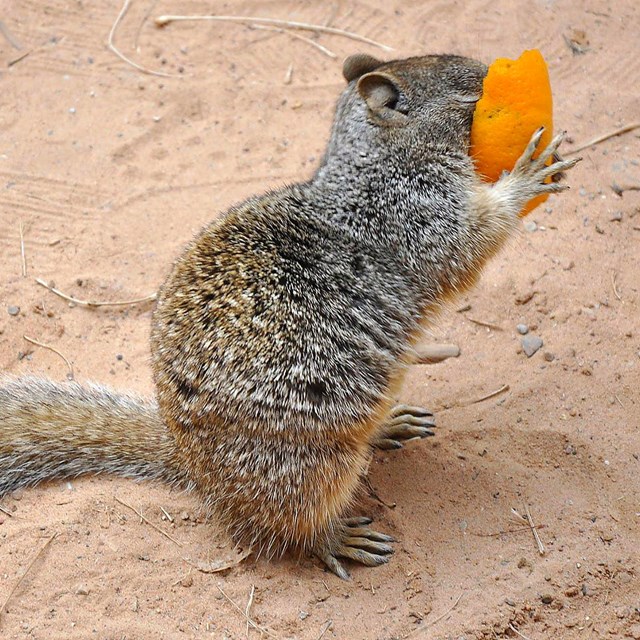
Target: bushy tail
column 54, row 430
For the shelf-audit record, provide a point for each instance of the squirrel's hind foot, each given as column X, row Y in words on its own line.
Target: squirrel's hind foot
column 355, row 541
column 405, row 423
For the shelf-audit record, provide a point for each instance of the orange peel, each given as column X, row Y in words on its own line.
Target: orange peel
column 516, row 100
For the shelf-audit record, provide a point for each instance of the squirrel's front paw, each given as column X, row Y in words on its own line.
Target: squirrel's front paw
column 529, row 175
column 356, row 542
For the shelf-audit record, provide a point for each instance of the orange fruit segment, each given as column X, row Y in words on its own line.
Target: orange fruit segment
column 516, row 100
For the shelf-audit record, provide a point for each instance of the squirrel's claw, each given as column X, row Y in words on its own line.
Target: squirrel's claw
column 407, row 409
column 358, row 543
column 405, row 423
column 531, row 174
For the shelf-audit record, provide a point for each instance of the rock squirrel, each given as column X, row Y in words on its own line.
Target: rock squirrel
column 282, row 334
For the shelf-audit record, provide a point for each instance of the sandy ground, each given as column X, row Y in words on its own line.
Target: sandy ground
column 110, row 171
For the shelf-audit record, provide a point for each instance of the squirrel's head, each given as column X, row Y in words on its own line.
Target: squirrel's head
column 418, row 100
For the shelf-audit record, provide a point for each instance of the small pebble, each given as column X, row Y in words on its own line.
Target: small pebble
column 303, row 615
column 616, row 216
column 531, row 344
column 547, row 598
column 72, row 110
column 530, row 226
column 187, row 581
column 82, row 590
column 548, row 356
column 13, row 310
column 119, row 356
column 522, row 329
column 510, row 602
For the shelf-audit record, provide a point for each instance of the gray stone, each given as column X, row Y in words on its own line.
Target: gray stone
column 531, row 344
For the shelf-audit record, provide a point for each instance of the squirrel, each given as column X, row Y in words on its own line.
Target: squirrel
column 283, row 333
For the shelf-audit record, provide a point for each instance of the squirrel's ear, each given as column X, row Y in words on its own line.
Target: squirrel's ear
column 357, row 65
column 381, row 93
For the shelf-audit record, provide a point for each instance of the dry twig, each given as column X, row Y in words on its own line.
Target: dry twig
column 374, row 494
column 325, row 628
column 151, row 524
column 20, row 58
column 493, row 394
column 121, row 55
column 426, row 626
column 168, row 516
column 484, row 323
column 534, row 530
column 505, row 532
column 93, row 303
column 528, row 520
column 247, row 610
column 6, row 511
column 162, row 21
column 289, row 75
column 521, row 635
column 50, row 348
column 297, row 36
column 255, row 625
column 24, row 575
column 602, row 138
column 35, row 50
column 613, row 284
